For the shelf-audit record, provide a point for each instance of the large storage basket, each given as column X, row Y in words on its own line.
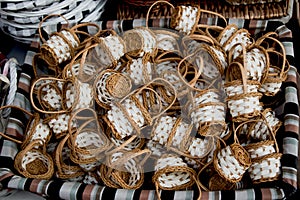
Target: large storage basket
column 287, row 109
column 268, row 10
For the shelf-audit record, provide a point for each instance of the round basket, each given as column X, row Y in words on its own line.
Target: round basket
column 110, row 86
column 34, row 163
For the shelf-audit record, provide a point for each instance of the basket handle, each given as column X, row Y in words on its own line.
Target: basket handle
column 87, row 119
column 21, row 109
column 256, row 120
column 160, row 58
column 150, row 8
column 119, row 148
column 284, row 60
column 45, row 111
column 243, row 73
column 188, row 170
column 211, row 13
column 192, row 83
column 44, row 19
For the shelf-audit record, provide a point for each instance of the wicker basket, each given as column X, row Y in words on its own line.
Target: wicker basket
column 56, row 188
column 269, row 10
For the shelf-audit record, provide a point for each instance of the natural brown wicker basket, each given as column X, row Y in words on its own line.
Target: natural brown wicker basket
column 245, row 11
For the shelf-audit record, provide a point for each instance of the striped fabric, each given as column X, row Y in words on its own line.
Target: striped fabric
column 287, row 137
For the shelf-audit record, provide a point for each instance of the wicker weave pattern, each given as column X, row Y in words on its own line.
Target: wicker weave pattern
column 245, row 2
column 232, row 162
column 166, row 40
column 140, row 40
column 173, row 179
column 38, row 131
column 85, row 97
column 110, row 49
column 260, row 149
column 34, row 163
column 265, row 168
column 140, row 71
column 59, row 124
column 60, row 47
column 185, row 18
column 110, row 86
column 256, row 63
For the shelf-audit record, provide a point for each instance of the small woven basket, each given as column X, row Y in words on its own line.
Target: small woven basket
column 63, row 165
column 277, row 71
column 87, row 142
column 124, row 169
column 265, row 168
column 34, row 163
column 207, row 112
column 109, row 49
column 140, row 41
column 110, row 86
column 171, row 173
column 139, row 68
column 232, row 162
column 242, row 95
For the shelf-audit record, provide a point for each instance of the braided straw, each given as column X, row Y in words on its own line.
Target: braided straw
column 265, row 164
column 276, row 74
column 260, row 149
column 236, row 41
column 185, row 18
column 232, row 161
column 77, row 95
column 266, row 168
column 139, row 69
column 59, row 124
column 256, row 61
column 264, row 126
column 110, row 86
column 34, row 163
column 174, row 134
column 207, row 112
column 64, row 170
